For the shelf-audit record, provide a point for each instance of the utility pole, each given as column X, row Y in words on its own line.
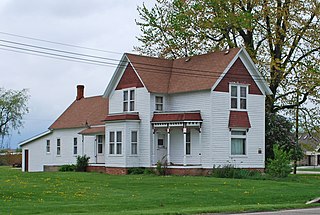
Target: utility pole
column 297, row 135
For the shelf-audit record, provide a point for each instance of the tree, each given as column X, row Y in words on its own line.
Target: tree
column 279, row 166
column 13, row 106
column 281, row 36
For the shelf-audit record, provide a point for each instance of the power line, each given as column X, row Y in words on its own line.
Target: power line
column 59, row 43
column 77, row 59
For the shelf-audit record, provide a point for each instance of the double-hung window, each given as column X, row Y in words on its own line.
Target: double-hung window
column 111, row 142
column 58, row 147
column 239, row 96
column 75, row 146
column 48, row 146
column 115, row 142
column 119, row 143
column 238, row 142
column 134, row 142
column 159, row 103
column 100, row 144
column 128, row 100
column 188, row 143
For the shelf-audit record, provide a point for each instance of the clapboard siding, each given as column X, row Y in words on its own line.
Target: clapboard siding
column 199, row 100
column 38, row 157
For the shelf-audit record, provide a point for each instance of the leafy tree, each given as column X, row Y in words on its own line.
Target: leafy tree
column 13, row 106
column 278, row 132
column 279, row 166
column 281, row 36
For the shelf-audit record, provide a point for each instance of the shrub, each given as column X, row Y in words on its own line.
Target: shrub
column 82, row 163
column 279, row 166
column 67, row 168
column 161, row 168
column 136, row 170
column 229, row 171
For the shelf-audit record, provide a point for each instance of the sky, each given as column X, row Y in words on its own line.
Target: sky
column 97, row 24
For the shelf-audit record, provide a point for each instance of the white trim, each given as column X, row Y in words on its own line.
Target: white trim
column 245, row 137
column 35, row 137
column 137, row 154
column 238, row 97
column 247, row 62
column 123, row 63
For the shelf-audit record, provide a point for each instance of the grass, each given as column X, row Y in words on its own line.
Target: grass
column 316, row 169
column 94, row 193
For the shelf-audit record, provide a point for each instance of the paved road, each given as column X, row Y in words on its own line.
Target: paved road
column 308, row 211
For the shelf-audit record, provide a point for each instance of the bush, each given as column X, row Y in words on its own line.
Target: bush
column 229, row 171
column 136, row 170
column 67, row 168
column 82, row 163
column 161, row 168
column 279, row 166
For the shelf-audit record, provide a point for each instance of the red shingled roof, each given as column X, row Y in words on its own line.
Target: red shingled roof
column 93, row 130
column 169, row 117
column 181, row 75
column 118, row 117
column 239, row 119
column 91, row 110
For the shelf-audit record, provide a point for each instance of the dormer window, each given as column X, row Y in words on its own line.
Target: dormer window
column 239, row 97
column 159, row 103
column 128, row 100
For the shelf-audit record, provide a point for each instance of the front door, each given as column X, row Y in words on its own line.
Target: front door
column 100, row 149
column 26, row 160
column 161, row 148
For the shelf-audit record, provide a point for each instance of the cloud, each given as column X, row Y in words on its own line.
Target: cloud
column 107, row 25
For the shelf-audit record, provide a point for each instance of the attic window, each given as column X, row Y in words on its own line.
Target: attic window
column 128, row 100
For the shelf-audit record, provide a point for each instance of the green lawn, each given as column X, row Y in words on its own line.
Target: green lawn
column 316, row 169
column 94, row 193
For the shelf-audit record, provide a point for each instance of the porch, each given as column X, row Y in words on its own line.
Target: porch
column 177, row 139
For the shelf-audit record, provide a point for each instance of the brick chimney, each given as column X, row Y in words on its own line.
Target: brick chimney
column 80, row 92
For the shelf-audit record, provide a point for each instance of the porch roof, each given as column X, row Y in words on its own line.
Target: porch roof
column 122, row 117
column 239, row 119
column 93, row 130
column 176, row 116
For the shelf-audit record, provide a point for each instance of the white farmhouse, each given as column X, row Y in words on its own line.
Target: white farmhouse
column 192, row 113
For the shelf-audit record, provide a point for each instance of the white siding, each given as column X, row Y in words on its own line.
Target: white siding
column 221, row 135
column 38, row 157
column 191, row 101
column 116, row 102
column 142, row 106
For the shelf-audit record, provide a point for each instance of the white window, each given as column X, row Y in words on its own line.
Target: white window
column 58, row 147
column 75, row 146
column 128, row 100
column 238, row 142
column 134, row 142
column 100, row 144
column 48, row 146
column 111, row 142
column 119, row 142
column 188, row 143
column 159, row 103
column 238, row 97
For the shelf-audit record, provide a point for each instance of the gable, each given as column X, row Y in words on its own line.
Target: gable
column 238, row 73
column 129, row 79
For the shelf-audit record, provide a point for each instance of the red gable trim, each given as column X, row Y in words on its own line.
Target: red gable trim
column 238, row 73
column 129, row 79
column 120, row 117
column 162, row 117
column 239, row 119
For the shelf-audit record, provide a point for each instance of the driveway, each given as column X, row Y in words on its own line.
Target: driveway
column 306, row 211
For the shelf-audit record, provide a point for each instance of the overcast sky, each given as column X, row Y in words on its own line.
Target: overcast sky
column 99, row 24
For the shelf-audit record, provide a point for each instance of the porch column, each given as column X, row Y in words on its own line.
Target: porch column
column 154, row 145
column 200, row 142
column 184, row 130
column 168, row 147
